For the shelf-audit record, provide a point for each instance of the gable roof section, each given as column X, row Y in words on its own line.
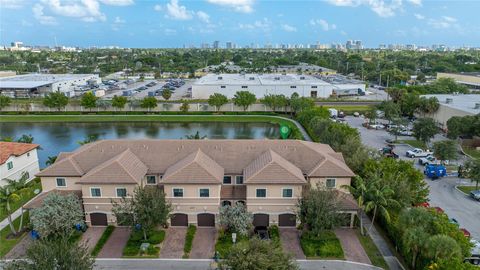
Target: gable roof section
column 195, row 168
column 124, row 168
column 8, row 149
column 271, row 168
column 66, row 166
column 333, row 166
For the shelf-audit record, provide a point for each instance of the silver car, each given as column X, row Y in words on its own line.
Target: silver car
column 475, row 194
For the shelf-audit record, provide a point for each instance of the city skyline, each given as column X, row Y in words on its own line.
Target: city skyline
column 174, row 23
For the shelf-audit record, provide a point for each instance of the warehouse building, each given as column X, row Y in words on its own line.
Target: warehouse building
column 31, row 85
column 454, row 105
column 261, row 85
column 469, row 79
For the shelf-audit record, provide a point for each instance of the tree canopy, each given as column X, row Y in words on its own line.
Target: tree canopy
column 56, row 100
column 244, row 99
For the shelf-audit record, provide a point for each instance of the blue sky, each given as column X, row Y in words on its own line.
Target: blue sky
column 173, row 23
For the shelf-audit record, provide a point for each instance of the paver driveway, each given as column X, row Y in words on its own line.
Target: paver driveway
column 203, row 246
column 113, row 248
column 91, row 237
column 351, row 246
column 290, row 239
column 173, row 244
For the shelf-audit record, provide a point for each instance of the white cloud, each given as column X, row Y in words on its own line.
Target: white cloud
column 259, row 24
column 416, row 2
column 117, row 2
column 12, row 4
column 383, row 8
column 86, row 10
column 244, row 6
column 419, row 16
column 204, row 17
column 41, row 17
column 289, row 28
column 323, row 24
column 158, row 8
column 119, row 20
column 178, row 12
column 444, row 22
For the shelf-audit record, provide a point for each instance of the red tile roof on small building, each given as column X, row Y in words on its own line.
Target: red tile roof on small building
column 8, row 149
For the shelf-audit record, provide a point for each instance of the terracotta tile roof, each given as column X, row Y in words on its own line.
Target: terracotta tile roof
column 8, row 149
column 196, row 168
column 38, row 201
column 231, row 155
column 270, row 167
column 124, row 168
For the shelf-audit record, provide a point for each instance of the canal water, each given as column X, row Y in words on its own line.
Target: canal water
column 64, row 137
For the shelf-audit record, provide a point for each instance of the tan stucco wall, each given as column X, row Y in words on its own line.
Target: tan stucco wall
column 274, row 202
column 107, row 191
column 191, row 203
column 338, row 183
column 50, row 183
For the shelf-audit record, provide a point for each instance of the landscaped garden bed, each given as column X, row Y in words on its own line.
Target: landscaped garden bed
column 324, row 246
column 154, row 238
column 8, row 240
column 225, row 243
column 191, row 230
column 466, row 189
column 27, row 196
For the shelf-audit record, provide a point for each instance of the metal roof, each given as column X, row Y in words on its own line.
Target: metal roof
column 23, row 84
column 460, row 102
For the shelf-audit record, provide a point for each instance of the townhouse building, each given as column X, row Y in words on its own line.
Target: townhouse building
column 17, row 159
column 200, row 176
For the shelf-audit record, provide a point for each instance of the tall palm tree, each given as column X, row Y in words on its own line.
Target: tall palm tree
column 195, row 136
column 378, row 198
column 13, row 191
column 414, row 239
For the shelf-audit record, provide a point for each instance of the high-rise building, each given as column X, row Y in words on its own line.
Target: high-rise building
column 229, row 45
column 216, row 44
column 205, row 46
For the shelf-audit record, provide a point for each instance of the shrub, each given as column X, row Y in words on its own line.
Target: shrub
column 325, row 245
column 274, row 233
column 189, row 240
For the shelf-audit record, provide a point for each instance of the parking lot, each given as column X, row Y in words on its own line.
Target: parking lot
column 442, row 191
column 178, row 93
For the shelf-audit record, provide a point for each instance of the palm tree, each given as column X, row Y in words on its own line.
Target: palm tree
column 195, row 136
column 378, row 198
column 12, row 192
column 51, row 160
column 413, row 240
column 359, row 192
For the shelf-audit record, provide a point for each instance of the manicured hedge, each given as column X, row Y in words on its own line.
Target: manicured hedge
column 326, row 245
column 189, row 240
column 103, row 239
column 274, row 233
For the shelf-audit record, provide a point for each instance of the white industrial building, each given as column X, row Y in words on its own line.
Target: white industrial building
column 454, row 105
column 261, row 85
column 31, row 85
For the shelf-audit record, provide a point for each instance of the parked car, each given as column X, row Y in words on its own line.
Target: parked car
column 388, row 152
column 475, row 258
column 454, row 221
column 417, row 152
column 475, row 194
column 466, row 233
column 377, row 126
column 427, row 160
column 405, row 133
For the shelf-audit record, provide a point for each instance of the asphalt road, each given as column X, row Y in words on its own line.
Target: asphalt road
column 174, row 264
column 442, row 192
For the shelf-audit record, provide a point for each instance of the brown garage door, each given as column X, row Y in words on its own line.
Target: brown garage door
column 98, row 219
column 206, row 220
column 179, row 220
column 287, row 220
column 260, row 220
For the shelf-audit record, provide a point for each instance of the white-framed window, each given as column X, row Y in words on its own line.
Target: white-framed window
column 61, row 182
column 261, row 193
column 95, row 192
column 314, row 86
column 244, row 86
column 9, row 165
column 151, row 180
column 121, row 192
column 287, row 192
column 293, row 86
column 227, row 179
column 239, row 179
column 204, row 192
column 177, row 192
column 331, row 182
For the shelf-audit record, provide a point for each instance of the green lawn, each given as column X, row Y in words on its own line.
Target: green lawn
column 224, row 243
column 413, row 143
column 132, row 249
column 7, row 244
column 103, row 239
column 349, row 109
column 34, row 184
column 471, row 152
column 295, row 134
column 466, row 189
column 372, row 251
column 325, row 246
